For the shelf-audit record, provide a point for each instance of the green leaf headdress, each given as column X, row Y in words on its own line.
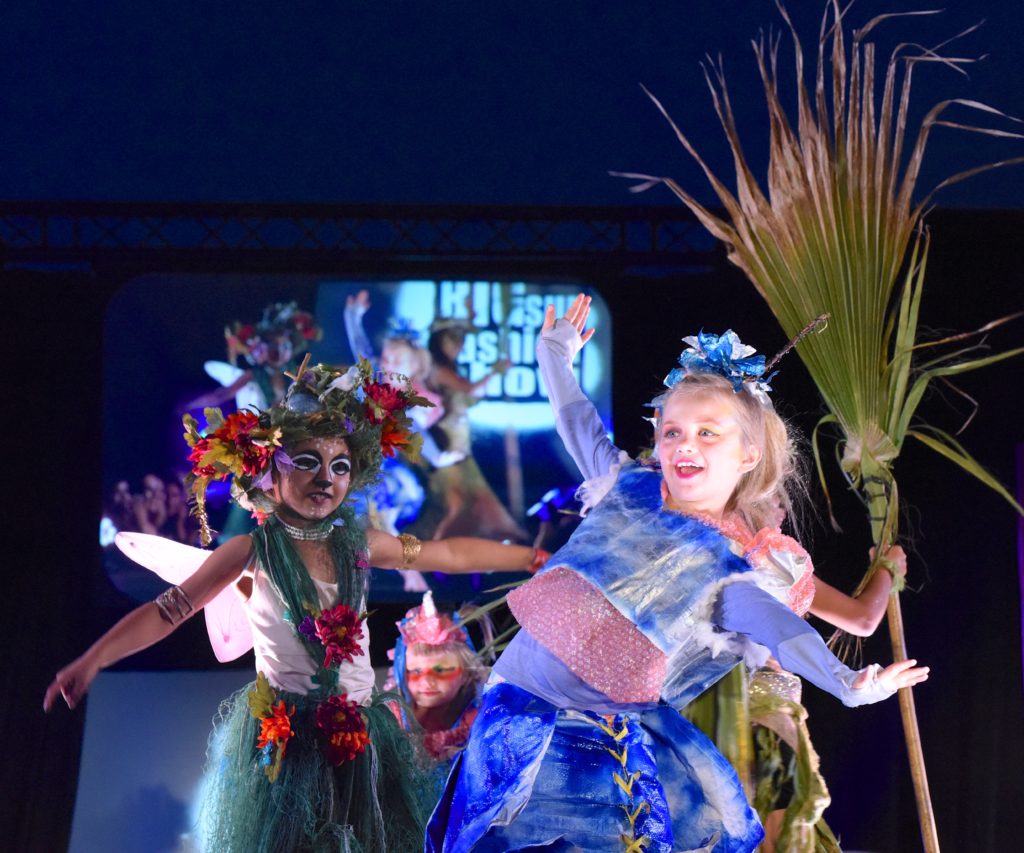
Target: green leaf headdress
column 365, row 407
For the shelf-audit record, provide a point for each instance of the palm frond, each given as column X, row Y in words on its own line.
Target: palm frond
column 836, row 228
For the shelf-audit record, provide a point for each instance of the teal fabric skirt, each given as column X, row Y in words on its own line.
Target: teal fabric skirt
column 376, row 803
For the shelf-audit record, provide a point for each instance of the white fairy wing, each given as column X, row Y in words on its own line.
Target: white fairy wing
column 226, row 620
column 249, row 396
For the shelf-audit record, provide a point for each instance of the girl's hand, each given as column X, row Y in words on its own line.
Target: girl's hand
column 895, row 559
column 358, row 304
column 576, row 314
column 896, row 676
column 72, row 683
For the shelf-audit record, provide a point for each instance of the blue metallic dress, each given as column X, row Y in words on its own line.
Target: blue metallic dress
column 578, row 744
column 555, row 763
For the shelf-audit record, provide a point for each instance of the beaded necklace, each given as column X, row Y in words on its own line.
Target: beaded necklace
column 318, row 533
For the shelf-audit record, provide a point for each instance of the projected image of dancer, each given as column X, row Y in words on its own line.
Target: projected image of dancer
column 459, row 498
column 267, row 349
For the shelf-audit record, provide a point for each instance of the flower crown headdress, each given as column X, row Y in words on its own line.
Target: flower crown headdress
column 281, row 319
column 365, row 407
column 727, row 356
column 425, row 624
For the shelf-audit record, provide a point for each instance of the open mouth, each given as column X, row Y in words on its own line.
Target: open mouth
column 686, row 468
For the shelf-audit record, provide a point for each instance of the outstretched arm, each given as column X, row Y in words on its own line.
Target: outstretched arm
column 859, row 615
column 749, row 610
column 145, row 625
column 577, row 421
column 445, row 377
column 220, row 395
column 458, row 555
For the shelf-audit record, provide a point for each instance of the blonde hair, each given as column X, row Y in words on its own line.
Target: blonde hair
column 766, row 493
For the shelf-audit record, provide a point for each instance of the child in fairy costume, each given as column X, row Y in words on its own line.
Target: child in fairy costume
column 307, row 757
column 578, row 743
column 439, row 675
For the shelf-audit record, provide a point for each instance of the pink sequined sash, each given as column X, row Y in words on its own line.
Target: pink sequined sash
column 573, row 620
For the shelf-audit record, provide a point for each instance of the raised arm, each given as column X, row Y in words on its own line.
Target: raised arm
column 358, row 341
column 860, row 615
column 147, row 625
column 749, row 610
column 458, row 555
column 577, row 421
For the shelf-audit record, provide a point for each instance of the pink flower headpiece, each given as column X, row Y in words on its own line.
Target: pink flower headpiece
column 424, row 624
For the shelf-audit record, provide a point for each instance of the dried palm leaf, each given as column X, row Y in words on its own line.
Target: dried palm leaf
column 838, row 231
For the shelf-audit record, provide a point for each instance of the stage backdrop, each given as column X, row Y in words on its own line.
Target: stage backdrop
column 494, row 452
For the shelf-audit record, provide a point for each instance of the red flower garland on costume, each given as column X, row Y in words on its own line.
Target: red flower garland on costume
column 442, row 745
column 276, row 728
column 339, row 630
column 343, row 727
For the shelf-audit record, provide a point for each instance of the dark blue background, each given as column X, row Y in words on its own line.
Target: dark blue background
column 521, row 102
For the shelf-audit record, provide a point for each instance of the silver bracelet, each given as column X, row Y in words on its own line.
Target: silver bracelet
column 174, row 605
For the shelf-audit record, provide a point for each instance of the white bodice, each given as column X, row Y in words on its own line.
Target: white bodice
column 280, row 654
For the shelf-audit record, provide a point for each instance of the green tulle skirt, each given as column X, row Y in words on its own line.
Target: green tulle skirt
column 378, row 802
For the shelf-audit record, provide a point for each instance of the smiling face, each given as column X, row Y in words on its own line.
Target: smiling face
column 398, row 356
column 318, row 483
column 434, row 679
column 703, row 451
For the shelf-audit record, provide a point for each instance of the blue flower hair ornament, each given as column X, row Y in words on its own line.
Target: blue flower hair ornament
column 402, row 329
column 727, row 356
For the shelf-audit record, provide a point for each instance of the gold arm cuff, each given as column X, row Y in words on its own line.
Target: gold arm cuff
column 410, row 548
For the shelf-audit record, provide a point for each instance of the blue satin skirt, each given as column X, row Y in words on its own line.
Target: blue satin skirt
column 536, row 777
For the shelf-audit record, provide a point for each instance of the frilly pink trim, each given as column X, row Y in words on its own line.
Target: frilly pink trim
column 424, row 624
column 771, row 539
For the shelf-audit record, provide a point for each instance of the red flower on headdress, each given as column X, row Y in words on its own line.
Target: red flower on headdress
column 276, row 728
column 237, row 425
column 387, row 397
column 339, row 629
column 200, row 448
column 237, row 429
column 343, row 727
column 392, row 436
column 305, row 325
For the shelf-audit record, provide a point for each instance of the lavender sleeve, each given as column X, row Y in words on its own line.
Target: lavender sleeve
column 576, row 419
column 749, row 610
column 358, row 340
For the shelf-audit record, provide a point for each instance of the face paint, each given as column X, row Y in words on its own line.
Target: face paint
column 317, row 482
column 433, row 680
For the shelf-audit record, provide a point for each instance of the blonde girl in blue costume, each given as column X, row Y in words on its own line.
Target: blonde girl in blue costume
column 308, row 757
column 578, row 744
